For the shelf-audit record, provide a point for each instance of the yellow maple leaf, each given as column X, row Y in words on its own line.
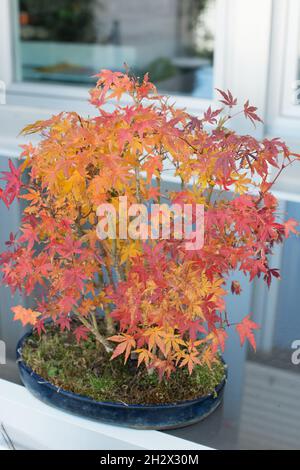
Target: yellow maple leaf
column 241, row 184
column 129, row 251
column 144, row 356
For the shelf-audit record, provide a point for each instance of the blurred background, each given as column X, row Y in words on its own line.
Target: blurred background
column 67, row 41
column 49, row 52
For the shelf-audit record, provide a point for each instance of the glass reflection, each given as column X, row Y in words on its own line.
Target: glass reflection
column 70, row 41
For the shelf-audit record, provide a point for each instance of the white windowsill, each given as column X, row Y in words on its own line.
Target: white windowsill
column 51, row 95
column 33, row 425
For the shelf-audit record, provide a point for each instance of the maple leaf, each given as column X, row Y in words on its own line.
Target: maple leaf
column 290, row 227
column 152, row 166
column 42, row 264
column 221, row 336
column 33, row 196
column 210, row 116
column 155, row 337
column 271, row 273
column 208, row 357
column 40, row 326
column 244, row 329
column 144, row 356
column 190, row 360
column 67, row 303
column 154, row 192
column 25, row 315
column 250, row 112
column 124, row 136
column 241, row 184
column 74, row 277
column 64, row 322
column 106, row 78
column 164, row 367
column 225, row 163
column 81, row 333
column 129, row 251
column 228, row 100
column 69, row 247
column 13, row 184
column 194, row 328
column 127, row 343
column 146, row 87
column 29, row 235
column 12, row 240
column 172, row 342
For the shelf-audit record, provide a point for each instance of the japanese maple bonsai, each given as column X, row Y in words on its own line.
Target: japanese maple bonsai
column 139, row 321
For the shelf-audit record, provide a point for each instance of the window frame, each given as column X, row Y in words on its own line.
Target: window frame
column 46, row 95
column 283, row 116
column 234, row 45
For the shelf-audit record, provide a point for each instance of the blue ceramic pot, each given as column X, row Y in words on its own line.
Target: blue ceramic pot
column 168, row 416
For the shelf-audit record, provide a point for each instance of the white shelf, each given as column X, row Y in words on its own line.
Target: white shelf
column 33, row 425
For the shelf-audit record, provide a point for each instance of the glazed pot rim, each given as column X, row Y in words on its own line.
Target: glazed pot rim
column 83, row 398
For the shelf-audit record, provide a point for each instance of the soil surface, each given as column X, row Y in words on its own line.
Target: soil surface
column 84, row 369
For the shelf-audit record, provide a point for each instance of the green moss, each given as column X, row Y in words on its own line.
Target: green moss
column 85, row 370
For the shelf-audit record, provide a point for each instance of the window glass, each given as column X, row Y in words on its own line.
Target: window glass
column 71, row 40
column 297, row 87
column 287, row 315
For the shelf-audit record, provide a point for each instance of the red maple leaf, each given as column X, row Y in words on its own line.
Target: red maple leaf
column 210, row 116
column 64, row 322
column 29, row 235
column 225, row 163
column 268, row 276
column 228, row 100
column 250, row 112
column 194, row 328
column 67, row 303
column 74, row 277
column 153, row 192
column 40, row 326
column 11, row 241
column 244, row 329
column 69, row 247
column 152, row 166
column 81, row 333
column 13, row 184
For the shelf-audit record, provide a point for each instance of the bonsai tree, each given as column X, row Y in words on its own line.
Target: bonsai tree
column 150, row 298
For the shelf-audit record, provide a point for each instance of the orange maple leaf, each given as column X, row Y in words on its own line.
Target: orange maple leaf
column 190, row 360
column 290, row 227
column 126, row 344
column 244, row 329
column 25, row 315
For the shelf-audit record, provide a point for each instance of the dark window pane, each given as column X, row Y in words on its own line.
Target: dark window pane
column 70, row 40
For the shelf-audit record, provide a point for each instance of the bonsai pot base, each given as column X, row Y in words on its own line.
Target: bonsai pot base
column 160, row 417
